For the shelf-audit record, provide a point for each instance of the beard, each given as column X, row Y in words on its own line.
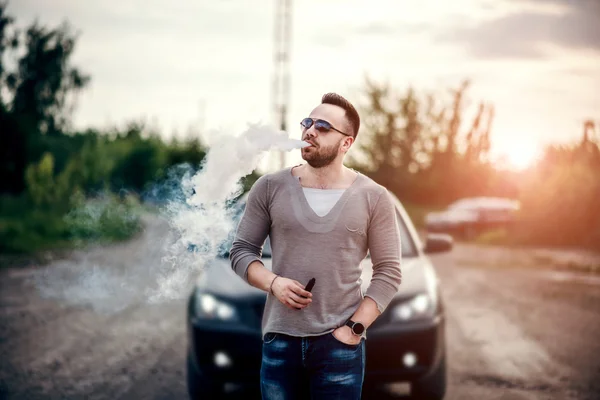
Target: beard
column 321, row 156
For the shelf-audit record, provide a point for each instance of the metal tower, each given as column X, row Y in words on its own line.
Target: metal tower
column 281, row 72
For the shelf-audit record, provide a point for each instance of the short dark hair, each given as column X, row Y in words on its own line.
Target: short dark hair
column 351, row 113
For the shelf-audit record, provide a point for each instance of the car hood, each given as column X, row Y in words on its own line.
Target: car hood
column 220, row 279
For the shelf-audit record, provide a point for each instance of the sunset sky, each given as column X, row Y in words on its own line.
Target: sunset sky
column 537, row 61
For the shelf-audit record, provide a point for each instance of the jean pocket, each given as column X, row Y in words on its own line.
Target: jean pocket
column 349, row 346
column 269, row 337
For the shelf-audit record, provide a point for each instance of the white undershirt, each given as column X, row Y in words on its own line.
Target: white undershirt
column 322, row 200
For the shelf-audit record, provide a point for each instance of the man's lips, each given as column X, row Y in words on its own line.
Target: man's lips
column 312, row 143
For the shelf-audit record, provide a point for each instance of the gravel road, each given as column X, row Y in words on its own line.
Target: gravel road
column 516, row 330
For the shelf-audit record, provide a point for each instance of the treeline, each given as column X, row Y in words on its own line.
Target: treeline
column 49, row 174
column 100, row 177
column 560, row 196
column 427, row 150
column 423, row 148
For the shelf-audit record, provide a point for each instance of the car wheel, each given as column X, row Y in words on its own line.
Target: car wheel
column 432, row 386
column 200, row 387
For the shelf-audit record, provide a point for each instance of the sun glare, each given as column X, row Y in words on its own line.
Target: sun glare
column 518, row 157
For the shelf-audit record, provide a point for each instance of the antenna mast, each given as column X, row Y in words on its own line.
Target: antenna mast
column 281, row 78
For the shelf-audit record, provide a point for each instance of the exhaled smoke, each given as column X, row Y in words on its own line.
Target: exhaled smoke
column 162, row 264
column 204, row 222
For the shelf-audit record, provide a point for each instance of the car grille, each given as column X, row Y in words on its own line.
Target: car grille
column 385, row 353
column 257, row 311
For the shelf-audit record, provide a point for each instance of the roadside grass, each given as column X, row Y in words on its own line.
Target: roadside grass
column 537, row 261
column 505, row 250
column 495, row 237
column 30, row 235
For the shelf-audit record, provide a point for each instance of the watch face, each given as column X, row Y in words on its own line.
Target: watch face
column 358, row 328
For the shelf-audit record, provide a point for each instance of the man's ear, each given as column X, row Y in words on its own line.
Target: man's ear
column 348, row 143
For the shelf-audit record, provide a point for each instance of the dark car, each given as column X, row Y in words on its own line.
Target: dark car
column 405, row 344
column 469, row 217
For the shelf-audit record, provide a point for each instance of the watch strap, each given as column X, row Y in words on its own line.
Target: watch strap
column 351, row 324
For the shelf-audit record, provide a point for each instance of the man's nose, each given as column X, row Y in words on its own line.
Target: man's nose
column 310, row 133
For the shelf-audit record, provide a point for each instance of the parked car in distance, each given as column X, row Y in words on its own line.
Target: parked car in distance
column 407, row 343
column 469, row 217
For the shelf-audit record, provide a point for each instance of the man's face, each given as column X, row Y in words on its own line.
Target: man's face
column 326, row 146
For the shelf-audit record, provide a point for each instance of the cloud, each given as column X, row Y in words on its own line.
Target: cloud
column 527, row 33
column 151, row 18
column 347, row 35
column 392, row 29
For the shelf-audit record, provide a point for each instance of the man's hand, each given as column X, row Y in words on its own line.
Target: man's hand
column 291, row 292
column 344, row 334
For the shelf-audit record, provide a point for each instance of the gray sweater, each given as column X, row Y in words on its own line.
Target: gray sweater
column 329, row 248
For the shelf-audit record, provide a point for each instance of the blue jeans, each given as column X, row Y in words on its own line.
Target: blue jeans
column 313, row 367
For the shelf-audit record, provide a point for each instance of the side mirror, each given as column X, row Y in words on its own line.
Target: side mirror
column 438, row 243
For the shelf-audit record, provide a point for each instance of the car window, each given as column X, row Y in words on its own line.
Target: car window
column 409, row 249
column 267, row 248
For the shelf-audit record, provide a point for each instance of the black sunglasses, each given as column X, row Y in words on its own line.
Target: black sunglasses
column 320, row 125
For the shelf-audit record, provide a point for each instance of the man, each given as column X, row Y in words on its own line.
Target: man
column 322, row 218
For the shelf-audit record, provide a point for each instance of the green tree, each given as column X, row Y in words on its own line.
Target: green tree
column 560, row 196
column 191, row 151
column 46, row 190
column 39, row 92
column 561, row 200
column 13, row 160
column 417, row 145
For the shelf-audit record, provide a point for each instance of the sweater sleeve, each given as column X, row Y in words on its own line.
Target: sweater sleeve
column 385, row 249
column 252, row 230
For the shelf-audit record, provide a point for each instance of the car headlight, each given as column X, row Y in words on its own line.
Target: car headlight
column 209, row 307
column 418, row 307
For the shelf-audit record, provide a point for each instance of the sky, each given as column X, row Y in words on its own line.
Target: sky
column 207, row 65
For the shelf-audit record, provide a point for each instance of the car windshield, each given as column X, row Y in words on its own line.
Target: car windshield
column 267, row 248
column 409, row 249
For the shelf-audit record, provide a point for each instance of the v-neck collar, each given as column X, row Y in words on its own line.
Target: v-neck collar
column 307, row 209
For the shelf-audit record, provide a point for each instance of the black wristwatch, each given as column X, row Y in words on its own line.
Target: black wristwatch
column 357, row 328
